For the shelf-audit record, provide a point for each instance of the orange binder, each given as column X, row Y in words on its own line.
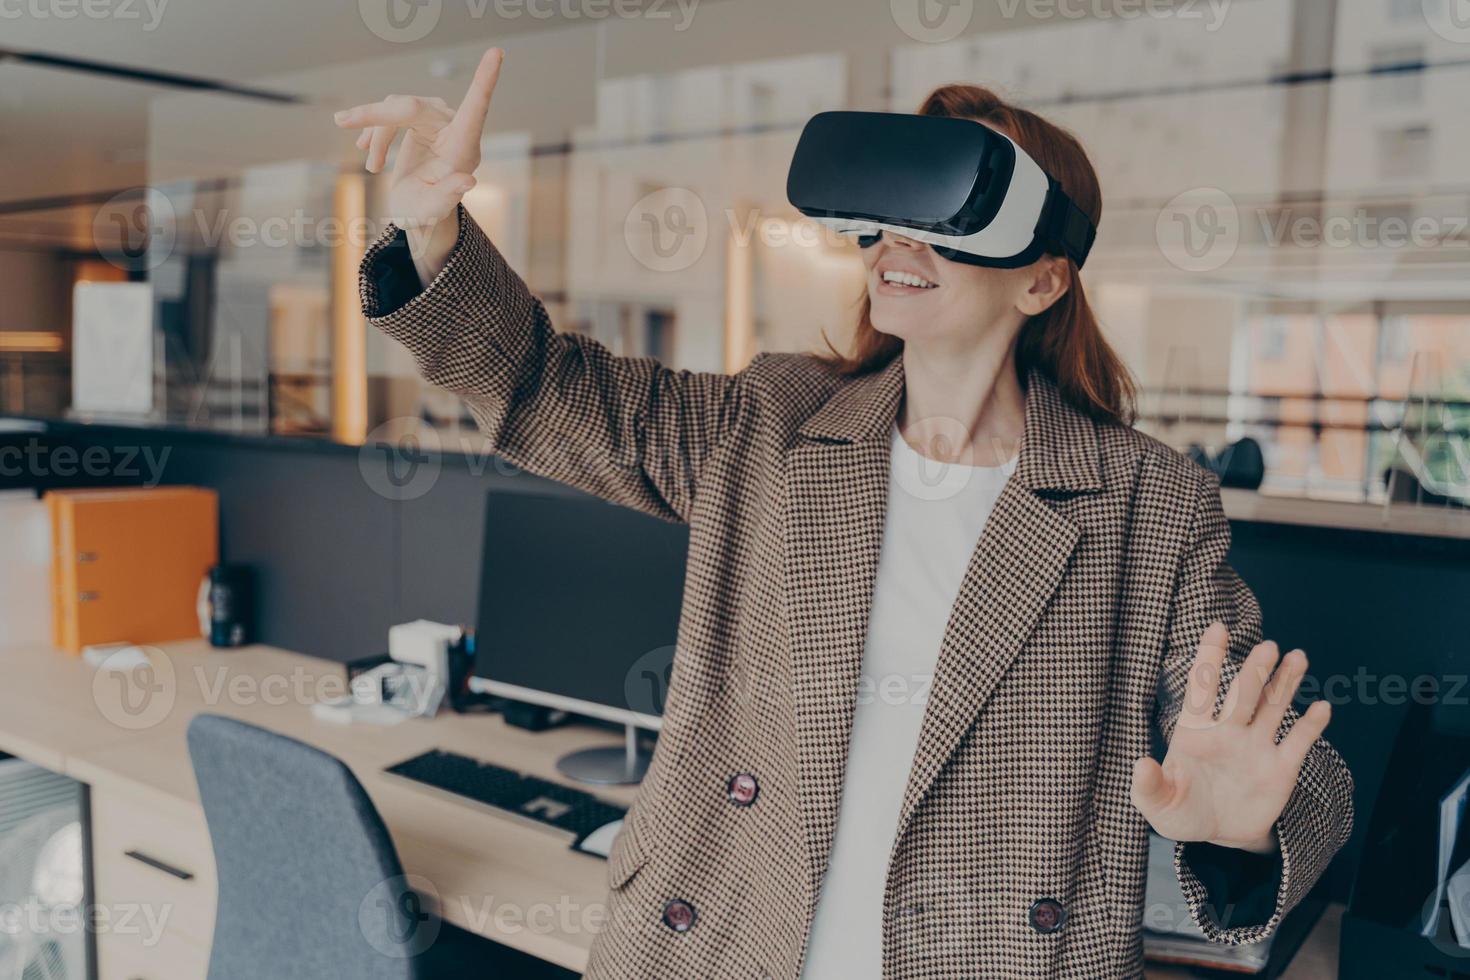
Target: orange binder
column 127, row 563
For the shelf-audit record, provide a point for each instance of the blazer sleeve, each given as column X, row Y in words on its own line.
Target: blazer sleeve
column 1318, row 817
column 555, row 404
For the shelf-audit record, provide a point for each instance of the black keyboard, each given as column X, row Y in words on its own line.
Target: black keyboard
column 524, row 796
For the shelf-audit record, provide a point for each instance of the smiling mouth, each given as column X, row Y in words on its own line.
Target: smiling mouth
column 907, row 280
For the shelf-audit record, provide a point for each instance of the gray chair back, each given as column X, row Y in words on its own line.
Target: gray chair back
column 309, row 882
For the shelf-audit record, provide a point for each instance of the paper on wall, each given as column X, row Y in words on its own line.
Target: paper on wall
column 112, row 348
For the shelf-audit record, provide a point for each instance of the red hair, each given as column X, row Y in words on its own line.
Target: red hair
column 1066, row 342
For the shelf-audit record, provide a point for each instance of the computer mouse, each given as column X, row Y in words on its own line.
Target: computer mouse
column 120, row 657
column 600, row 841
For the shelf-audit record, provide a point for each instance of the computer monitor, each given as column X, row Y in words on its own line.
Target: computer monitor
column 579, row 610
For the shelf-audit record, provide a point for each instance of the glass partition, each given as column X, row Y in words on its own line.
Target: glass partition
column 1283, row 253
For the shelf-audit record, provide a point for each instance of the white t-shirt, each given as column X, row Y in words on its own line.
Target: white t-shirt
column 932, row 525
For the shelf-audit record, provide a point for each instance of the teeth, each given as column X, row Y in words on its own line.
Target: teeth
column 907, row 279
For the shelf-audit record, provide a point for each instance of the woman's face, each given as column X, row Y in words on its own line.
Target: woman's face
column 957, row 304
column 918, row 295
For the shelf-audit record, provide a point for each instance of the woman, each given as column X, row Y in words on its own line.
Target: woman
column 896, row 745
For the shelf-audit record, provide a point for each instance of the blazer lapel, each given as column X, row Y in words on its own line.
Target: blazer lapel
column 837, row 493
column 1017, row 566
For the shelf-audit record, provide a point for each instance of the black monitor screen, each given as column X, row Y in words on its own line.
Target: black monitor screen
column 579, row 599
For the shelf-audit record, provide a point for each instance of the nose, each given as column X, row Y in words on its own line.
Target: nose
column 902, row 241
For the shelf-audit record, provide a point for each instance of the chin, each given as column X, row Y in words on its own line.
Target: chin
column 903, row 324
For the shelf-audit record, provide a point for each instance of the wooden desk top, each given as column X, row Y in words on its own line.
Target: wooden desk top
column 522, row 886
column 493, row 876
column 1430, row 522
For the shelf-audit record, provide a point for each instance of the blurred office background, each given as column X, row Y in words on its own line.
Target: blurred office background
column 1283, row 255
column 1284, row 252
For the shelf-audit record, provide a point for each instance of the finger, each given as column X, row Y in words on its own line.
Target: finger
column 385, row 113
column 1151, row 791
column 1204, row 676
column 1245, row 690
column 470, row 118
column 363, row 138
column 395, row 110
column 382, row 138
column 1304, row 734
column 1279, row 693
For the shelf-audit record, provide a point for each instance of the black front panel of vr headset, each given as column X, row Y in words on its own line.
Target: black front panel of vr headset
column 928, row 172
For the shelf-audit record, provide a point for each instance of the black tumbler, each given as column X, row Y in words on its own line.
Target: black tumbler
column 229, row 606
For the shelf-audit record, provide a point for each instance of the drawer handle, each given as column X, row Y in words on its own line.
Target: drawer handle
column 158, row 865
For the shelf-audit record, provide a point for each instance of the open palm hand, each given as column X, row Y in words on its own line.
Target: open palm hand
column 1225, row 778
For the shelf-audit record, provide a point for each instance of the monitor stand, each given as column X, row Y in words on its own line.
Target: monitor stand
column 608, row 766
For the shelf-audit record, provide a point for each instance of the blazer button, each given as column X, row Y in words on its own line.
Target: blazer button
column 1047, row 915
column 742, row 789
column 679, row 915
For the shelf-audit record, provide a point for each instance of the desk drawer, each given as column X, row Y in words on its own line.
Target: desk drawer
column 153, row 863
column 143, row 957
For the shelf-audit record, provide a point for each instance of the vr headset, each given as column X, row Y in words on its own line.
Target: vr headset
column 962, row 187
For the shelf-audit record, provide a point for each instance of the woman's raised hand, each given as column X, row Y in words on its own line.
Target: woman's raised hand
column 435, row 166
column 1225, row 778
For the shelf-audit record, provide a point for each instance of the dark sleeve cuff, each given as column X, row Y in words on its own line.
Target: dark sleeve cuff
column 1240, row 886
column 396, row 278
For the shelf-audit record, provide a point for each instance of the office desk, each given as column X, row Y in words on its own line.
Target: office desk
column 490, row 875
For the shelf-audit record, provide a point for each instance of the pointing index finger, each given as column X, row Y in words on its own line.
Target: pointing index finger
column 476, row 105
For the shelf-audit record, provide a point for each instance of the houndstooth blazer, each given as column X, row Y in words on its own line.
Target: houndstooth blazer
column 1099, row 568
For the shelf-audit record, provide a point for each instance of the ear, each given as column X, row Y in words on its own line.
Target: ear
column 1045, row 281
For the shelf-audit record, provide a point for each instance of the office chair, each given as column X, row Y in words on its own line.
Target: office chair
column 309, row 882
